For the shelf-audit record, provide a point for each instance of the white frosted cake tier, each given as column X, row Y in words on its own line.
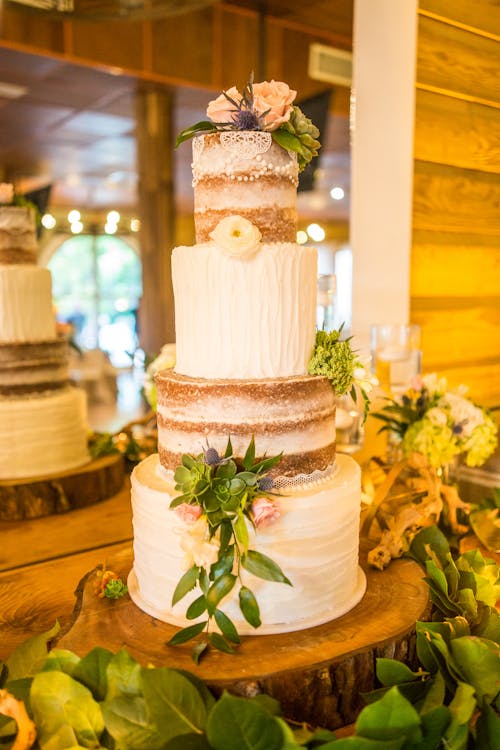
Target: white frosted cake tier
column 314, row 541
column 26, row 313
column 43, row 434
column 239, row 318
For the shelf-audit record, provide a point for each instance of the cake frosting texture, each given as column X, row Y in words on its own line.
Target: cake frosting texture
column 26, row 304
column 244, row 318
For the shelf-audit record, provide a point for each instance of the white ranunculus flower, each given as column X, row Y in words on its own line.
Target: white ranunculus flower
column 237, row 237
column 197, row 547
column 6, row 193
column 463, row 412
column 434, row 384
column 437, row 416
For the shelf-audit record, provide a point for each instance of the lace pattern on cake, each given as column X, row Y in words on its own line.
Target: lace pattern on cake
column 281, row 484
column 246, row 144
column 198, row 146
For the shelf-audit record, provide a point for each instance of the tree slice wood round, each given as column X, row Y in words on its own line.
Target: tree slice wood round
column 317, row 674
column 46, row 495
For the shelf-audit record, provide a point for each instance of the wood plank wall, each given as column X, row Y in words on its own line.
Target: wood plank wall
column 455, row 264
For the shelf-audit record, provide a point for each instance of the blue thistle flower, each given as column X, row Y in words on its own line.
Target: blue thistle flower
column 246, row 119
column 212, row 458
column 265, row 483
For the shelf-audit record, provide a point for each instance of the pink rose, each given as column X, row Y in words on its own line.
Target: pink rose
column 417, row 383
column 277, row 97
column 264, row 511
column 188, row 513
column 221, row 109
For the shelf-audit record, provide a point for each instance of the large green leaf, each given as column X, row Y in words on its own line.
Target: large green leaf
column 263, row 567
column 479, row 661
column 364, row 743
column 62, row 660
column 200, row 127
column 392, row 672
column 188, row 742
column 430, row 537
column 27, row 658
column 65, row 712
column 434, row 724
column 240, row 723
column 91, row 671
column 435, row 694
column 123, row 675
column 174, row 703
column 390, row 718
column 487, row 729
column 128, row 722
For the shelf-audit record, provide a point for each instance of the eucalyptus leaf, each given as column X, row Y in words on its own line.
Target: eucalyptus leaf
column 204, row 581
column 64, row 710
column 226, row 626
column 391, row 672
column 198, row 651
column 241, row 531
column 200, row 127
column 239, row 723
column 196, row 608
column 249, row 607
column 91, row 671
column 128, row 722
column 28, row 657
column 174, row 704
column 186, row 584
column 218, row 590
column 220, row 643
column 226, row 534
column 224, row 564
column 390, row 718
column 184, row 635
column 263, row 567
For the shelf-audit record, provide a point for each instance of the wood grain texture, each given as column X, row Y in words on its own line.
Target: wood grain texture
column 27, row 29
column 173, row 51
column 457, row 133
column 61, row 492
column 458, row 60
column 34, row 597
column 480, row 14
column 95, row 526
column 444, row 264
column 482, row 378
column 446, row 199
column 91, row 41
column 316, row 674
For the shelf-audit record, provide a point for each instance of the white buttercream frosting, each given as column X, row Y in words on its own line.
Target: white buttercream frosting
column 43, row 434
column 314, row 541
column 244, row 318
column 26, row 304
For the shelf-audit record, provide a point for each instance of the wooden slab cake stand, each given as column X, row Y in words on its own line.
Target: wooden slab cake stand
column 317, row 674
column 34, row 497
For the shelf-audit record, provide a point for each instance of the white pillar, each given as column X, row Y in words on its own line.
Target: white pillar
column 382, row 117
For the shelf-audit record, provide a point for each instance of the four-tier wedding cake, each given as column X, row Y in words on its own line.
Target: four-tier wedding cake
column 245, row 302
column 42, row 417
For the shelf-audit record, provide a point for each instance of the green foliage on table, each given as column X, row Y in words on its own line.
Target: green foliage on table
column 107, row 700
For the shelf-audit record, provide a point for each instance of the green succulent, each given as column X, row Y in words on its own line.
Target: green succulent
column 299, row 135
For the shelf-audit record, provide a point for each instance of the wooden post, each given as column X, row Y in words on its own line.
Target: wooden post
column 157, row 214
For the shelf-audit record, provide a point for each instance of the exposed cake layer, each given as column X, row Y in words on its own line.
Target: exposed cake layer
column 314, row 541
column 17, row 235
column 245, row 173
column 295, row 416
column 26, row 304
column 244, row 318
column 26, row 368
column 43, row 434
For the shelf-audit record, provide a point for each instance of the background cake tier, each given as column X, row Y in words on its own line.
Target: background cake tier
column 245, row 173
column 26, row 313
column 17, row 235
column 244, row 318
column 294, row 416
column 43, row 433
column 27, row 368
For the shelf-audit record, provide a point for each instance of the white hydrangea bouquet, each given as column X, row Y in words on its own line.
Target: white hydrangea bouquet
column 440, row 424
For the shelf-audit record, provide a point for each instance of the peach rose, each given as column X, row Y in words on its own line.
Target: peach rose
column 188, row 513
column 221, row 109
column 6, row 192
column 277, row 97
column 264, row 511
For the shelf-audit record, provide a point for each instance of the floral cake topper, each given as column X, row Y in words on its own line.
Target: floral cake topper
column 266, row 106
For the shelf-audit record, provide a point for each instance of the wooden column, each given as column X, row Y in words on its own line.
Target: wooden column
column 157, row 213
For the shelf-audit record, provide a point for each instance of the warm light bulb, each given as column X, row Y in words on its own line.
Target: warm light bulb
column 113, row 217
column 74, row 216
column 301, row 237
column 76, row 226
column 135, row 225
column 110, row 228
column 337, row 193
column 316, row 232
column 48, row 221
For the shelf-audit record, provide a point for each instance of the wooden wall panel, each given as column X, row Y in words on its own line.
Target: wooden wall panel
column 455, row 200
column 172, row 56
column 295, row 62
column 31, row 29
column 91, row 41
column 455, row 264
column 457, row 60
column 480, row 14
column 241, row 56
column 457, row 132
